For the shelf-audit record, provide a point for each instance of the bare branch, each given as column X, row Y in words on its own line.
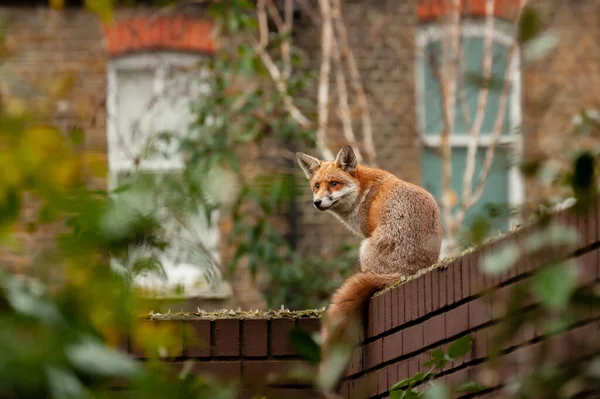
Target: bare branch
column 275, row 16
column 498, row 125
column 285, row 45
column 277, row 78
column 450, row 55
column 500, row 116
column 356, row 84
column 310, row 11
column 343, row 107
column 263, row 27
column 324, row 72
column 481, row 103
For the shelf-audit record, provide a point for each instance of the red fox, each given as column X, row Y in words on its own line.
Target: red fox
column 399, row 221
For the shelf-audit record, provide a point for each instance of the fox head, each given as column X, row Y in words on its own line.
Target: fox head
column 334, row 184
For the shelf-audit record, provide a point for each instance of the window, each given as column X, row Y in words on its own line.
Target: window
column 149, row 95
column 503, row 187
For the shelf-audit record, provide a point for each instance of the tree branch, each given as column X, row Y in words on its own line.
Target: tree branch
column 343, row 107
column 324, row 72
column 356, row 84
column 481, row 103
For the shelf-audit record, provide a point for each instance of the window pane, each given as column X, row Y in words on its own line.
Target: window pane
column 495, row 193
column 471, row 75
column 134, row 92
column 186, row 230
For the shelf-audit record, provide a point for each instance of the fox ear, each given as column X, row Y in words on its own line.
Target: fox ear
column 346, row 159
column 308, row 164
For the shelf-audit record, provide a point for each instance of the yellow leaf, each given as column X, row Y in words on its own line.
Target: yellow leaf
column 96, row 163
column 102, row 8
column 14, row 107
column 57, row 4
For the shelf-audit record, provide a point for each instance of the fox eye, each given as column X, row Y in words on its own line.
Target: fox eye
column 317, row 185
column 333, row 183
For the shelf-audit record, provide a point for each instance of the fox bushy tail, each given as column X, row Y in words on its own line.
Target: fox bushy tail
column 342, row 318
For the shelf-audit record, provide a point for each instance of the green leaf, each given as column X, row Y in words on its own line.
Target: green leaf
column 460, row 347
column 471, row 387
column 401, row 384
column 436, row 391
column 93, row 357
column 26, row 298
column 334, row 366
column 529, row 24
column 63, row 384
column 305, row 345
column 502, row 260
column 554, row 285
column 397, row 394
column 539, row 47
column 438, row 359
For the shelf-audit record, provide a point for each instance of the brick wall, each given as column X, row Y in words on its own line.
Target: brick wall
column 404, row 324
column 427, row 312
column 251, row 350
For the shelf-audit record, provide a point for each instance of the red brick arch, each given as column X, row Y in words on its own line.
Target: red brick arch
column 166, row 33
column 428, row 10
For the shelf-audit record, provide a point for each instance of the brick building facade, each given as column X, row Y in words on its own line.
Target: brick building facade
column 385, row 36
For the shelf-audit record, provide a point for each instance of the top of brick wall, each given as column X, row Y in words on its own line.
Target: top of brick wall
column 165, row 33
column 428, row 10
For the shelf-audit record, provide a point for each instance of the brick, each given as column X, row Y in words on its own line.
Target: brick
column 588, row 267
column 389, row 310
column 457, row 321
column 379, row 306
column 434, row 330
column 309, row 324
column 480, row 312
column 356, row 363
column 450, row 284
column 392, row 374
column 280, row 337
column 408, row 301
column 402, row 370
column 373, row 354
column 227, row 337
column 197, row 338
column 226, row 370
column 412, row 339
column 443, row 273
column 413, row 365
column 457, row 270
column 371, row 319
column 428, row 293
column 382, row 381
column 592, row 220
column 435, row 290
column 392, row 346
column 480, row 344
column 473, row 272
column 465, row 275
column 397, row 306
column 414, row 299
column 254, row 341
column 421, row 295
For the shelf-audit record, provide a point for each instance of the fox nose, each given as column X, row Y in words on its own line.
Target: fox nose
column 318, row 203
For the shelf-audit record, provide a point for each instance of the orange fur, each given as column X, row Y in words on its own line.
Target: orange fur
column 347, row 303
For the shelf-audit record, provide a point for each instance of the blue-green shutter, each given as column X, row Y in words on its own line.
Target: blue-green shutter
column 496, row 188
column 472, row 48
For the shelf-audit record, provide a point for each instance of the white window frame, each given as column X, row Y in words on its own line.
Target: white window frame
column 435, row 32
column 160, row 63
